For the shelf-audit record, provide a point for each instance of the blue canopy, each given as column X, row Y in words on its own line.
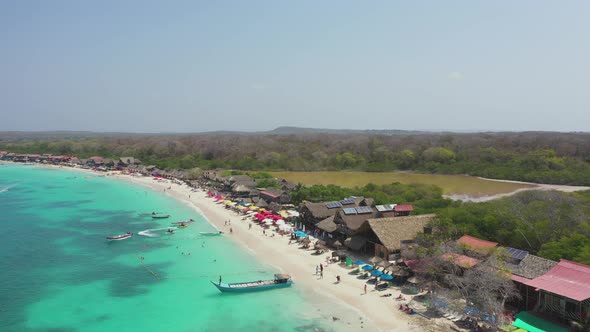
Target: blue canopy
column 359, row 263
column 300, row 234
column 368, row 267
column 376, row 273
column 386, row 277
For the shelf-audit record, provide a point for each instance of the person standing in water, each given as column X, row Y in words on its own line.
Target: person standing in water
column 219, row 280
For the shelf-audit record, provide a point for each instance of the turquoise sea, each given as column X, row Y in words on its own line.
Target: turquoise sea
column 60, row 274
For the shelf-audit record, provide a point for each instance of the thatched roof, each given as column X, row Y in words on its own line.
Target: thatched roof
column 239, row 178
column 356, row 242
column 327, row 225
column 355, row 221
column 532, row 266
column 319, row 210
column 392, row 231
column 261, row 203
column 240, row 188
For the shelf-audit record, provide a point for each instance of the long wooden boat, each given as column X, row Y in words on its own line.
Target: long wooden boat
column 280, row 281
column 120, row 237
column 160, row 216
column 211, row 233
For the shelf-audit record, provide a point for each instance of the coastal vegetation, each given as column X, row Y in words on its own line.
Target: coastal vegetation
column 541, row 157
column 550, row 224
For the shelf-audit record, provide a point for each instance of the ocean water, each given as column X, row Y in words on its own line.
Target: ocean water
column 58, row 272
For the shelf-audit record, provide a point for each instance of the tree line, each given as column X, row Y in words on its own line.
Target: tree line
column 556, row 158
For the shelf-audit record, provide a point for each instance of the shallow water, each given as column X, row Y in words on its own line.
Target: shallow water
column 60, row 274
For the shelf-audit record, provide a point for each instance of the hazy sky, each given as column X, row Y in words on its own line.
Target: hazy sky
column 161, row 66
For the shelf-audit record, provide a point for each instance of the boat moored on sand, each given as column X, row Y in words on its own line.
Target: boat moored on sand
column 280, row 281
column 120, row 237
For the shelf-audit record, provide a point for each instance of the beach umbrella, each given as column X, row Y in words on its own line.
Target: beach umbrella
column 359, row 262
column 386, row 277
column 268, row 222
column 337, row 244
column 375, row 259
column 401, row 273
column 384, row 263
column 414, row 280
column 367, row 267
column 376, row 273
column 280, row 222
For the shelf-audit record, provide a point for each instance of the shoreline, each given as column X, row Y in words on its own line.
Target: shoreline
column 335, row 303
column 275, row 251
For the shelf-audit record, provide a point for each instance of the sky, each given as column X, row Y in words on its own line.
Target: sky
column 196, row 66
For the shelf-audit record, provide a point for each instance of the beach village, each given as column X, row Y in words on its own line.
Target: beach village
column 375, row 258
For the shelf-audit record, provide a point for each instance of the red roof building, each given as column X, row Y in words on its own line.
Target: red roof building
column 477, row 245
column 568, row 279
column 3, row 153
column 269, row 194
column 403, row 208
column 463, row 261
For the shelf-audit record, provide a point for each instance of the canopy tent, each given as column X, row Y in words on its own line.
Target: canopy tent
column 532, row 323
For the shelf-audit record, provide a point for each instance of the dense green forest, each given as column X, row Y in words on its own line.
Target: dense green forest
column 557, row 158
column 550, row 224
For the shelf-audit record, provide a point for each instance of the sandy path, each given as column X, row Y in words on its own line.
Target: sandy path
column 534, row 186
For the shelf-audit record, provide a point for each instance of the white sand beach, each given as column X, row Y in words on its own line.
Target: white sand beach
column 374, row 311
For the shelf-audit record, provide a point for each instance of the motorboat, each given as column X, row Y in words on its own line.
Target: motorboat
column 120, row 237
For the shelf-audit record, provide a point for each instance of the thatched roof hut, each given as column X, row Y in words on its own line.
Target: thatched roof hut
column 532, row 266
column 391, row 232
column 327, row 225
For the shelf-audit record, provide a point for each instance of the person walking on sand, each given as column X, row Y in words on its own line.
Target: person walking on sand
column 250, row 226
column 317, row 270
column 231, row 230
column 321, row 268
column 365, row 288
